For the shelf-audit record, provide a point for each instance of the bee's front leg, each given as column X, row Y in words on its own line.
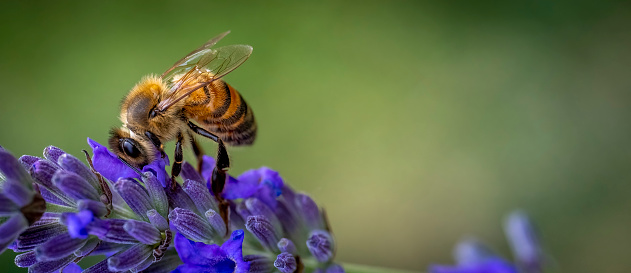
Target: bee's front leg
column 156, row 142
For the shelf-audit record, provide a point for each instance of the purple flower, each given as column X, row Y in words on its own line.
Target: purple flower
column 108, row 208
column 492, row 265
column 111, row 167
column 263, row 183
column 70, row 268
column 524, row 241
column 200, row 257
column 20, row 205
column 474, row 257
column 77, row 223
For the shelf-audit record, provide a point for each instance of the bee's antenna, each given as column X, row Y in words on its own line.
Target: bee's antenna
column 132, row 167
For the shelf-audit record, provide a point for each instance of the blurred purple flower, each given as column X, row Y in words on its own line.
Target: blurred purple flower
column 474, row 257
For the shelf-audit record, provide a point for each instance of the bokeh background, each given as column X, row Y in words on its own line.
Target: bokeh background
column 414, row 123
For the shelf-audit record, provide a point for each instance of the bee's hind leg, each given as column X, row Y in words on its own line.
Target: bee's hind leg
column 220, row 172
column 179, row 157
column 222, row 162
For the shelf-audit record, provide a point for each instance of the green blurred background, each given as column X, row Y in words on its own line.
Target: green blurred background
column 413, row 123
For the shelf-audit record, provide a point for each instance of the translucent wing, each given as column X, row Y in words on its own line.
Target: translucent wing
column 201, row 67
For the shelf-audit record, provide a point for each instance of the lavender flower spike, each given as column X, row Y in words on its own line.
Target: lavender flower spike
column 107, row 208
column 474, row 257
column 524, row 241
column 21, row 205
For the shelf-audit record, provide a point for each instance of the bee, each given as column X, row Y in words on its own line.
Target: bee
column 188, row 99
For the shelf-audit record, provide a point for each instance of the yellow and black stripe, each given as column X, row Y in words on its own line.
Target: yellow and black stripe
column 220, row 109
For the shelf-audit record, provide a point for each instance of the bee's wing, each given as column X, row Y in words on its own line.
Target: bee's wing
column 188, row 58
column 185, row 76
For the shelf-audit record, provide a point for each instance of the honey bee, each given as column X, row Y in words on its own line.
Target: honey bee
column 161, row 109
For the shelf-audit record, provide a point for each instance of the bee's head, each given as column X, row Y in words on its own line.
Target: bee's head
column 134, row 149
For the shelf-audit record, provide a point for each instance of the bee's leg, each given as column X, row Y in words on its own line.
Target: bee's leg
column 156, row 142
column 179, row 157
column 199, row 153
column 223, row 161
column 220, row 172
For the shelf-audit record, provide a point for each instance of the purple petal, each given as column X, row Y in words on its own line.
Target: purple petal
column 524, row 241
column 259, row 263
column 156, row 193
column 77, row 223
column 97, row 208
column 494, row 265
column 256, row 207
column 142, row 266
column 189, row 251
column 200, row 195
column 74, row 165
column 37, row 235
column 157, row 167
column 88, row 248
column 189, row 172
column 10, row 229
column 264, row 231
column 179, row 199
column 27, row 161
column 135, row 196
column 216, row 222
column 58, row 247
column 107, row 249
column 286, row 263
column 72, row 268
column 74, row 185
column 51, row 266
column 309, row 211
column 208, row 164
column 471, row 252
column 26, row 259
column 100, row 267
column 192, row 225
column 144, row 232
column 211, row 258
column 335, row 268
column 11, row 168
column 263, row 183
column 7, row 207
column 233, row 247
column 111, row 230
column 320, row 244
column 157, row 220
column 43, row 171
column 286, row 245
column 108, row 164
column 52, row 153
column 167, row 264
column 129, row 258
column 17, row 192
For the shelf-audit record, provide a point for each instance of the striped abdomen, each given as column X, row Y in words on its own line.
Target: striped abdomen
column 221, row 110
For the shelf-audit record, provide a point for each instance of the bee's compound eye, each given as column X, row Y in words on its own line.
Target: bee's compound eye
column 129, row 148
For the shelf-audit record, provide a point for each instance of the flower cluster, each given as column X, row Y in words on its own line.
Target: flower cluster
column 474, row 257
column 56, row 210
